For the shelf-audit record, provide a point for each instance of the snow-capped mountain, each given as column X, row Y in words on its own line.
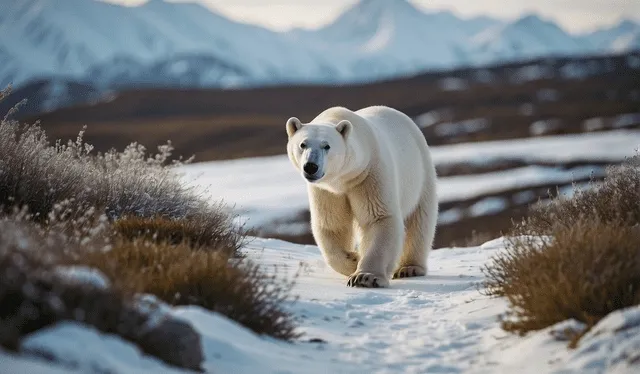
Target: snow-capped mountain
column 621, row 37
column 380, row 37
column 80, row 38
column 162, row 43
column 527, row 37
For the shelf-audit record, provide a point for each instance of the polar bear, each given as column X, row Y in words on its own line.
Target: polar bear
column 372, row 191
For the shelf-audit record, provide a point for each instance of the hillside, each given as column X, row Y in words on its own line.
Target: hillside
column 167, row 44
column 473, row 108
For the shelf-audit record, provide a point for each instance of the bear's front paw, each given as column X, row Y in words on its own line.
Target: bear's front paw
column 367, row 280
column 409, row 271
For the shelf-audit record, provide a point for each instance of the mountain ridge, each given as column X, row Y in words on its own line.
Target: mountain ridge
column 160, row 43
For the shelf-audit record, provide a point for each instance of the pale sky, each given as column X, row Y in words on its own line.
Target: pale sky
column 572, row 15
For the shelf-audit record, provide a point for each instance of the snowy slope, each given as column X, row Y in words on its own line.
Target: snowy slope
column 268, row 189
column 437, row 324
column 166, row 43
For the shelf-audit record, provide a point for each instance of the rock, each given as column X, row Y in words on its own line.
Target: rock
column 175, row 342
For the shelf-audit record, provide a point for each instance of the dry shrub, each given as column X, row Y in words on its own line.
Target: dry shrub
column 130, row 216
column 33, row 295
column 181, row 275
column 615, row 200
column 39, row 175
column 214, row 233
column 574, row 257
column 582, row 272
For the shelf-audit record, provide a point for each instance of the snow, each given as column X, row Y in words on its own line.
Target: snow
column 469, row 126
column 268, row 189
column 438, row 323
column 373, row 39
column 532, row 73
column 83, row 275
column 490, row 205
column 87, row 350
column 611, row 146
column 450, row 216
column 427, row 119
column 593, row 124
column 626, row 120
column 453, row 84
column 543, row 127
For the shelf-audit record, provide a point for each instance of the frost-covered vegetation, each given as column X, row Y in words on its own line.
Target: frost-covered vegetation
column 128, row 220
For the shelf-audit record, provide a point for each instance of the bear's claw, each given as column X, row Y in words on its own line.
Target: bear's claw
column 409, row 271
column 367, row 280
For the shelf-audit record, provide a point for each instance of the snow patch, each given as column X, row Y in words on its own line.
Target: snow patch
column 83, row 275
column 82, row 348
column 488, row 206
column 465, row 127
column 453, row 84
column 543, row 127
column 450, row 216
column 626, row 120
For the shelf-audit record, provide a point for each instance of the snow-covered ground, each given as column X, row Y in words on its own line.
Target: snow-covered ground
column 435, row 324
column 268, row 189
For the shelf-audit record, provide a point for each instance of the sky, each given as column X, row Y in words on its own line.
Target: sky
column 573, row 15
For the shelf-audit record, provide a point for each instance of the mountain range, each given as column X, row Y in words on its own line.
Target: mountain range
column 166, row 44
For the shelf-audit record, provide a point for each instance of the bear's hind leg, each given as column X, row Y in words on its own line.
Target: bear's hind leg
column 419, row 234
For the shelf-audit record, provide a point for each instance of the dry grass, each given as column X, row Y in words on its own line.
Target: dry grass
column 573, row 257
column 181, row 275
column 33, row 295
column 213, row 233
column 616, row 200
column 39, row 175
column 130, row 216
column 584, row 273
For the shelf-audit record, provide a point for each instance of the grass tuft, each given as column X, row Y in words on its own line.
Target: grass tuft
column 214, row 233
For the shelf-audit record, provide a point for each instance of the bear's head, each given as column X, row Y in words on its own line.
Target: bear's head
column 318, row 150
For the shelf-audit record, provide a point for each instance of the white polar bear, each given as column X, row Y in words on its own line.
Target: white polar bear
column 371, row 181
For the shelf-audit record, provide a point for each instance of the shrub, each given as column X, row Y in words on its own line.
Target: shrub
column 210, row 233
column 583, row 272
column 35, row 292
column 181, row 275
column 614, row 200
column 38, row 175
column 574, row 257
column 131, row 217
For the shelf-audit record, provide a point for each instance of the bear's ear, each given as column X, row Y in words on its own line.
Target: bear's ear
column 344, row 128
column 293, row 125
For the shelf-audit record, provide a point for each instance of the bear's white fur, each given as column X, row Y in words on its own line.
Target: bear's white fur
column 372, row 191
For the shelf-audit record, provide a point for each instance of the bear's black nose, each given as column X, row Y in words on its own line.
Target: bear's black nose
column 310, row 168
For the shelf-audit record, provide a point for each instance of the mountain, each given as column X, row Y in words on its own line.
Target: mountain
column 167, row 44
column 71, row 38
column 381, row 36
column 621, row 37
column 527, row 37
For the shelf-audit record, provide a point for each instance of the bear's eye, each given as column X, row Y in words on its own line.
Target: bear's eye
column 326, row 147
column 303, row 145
